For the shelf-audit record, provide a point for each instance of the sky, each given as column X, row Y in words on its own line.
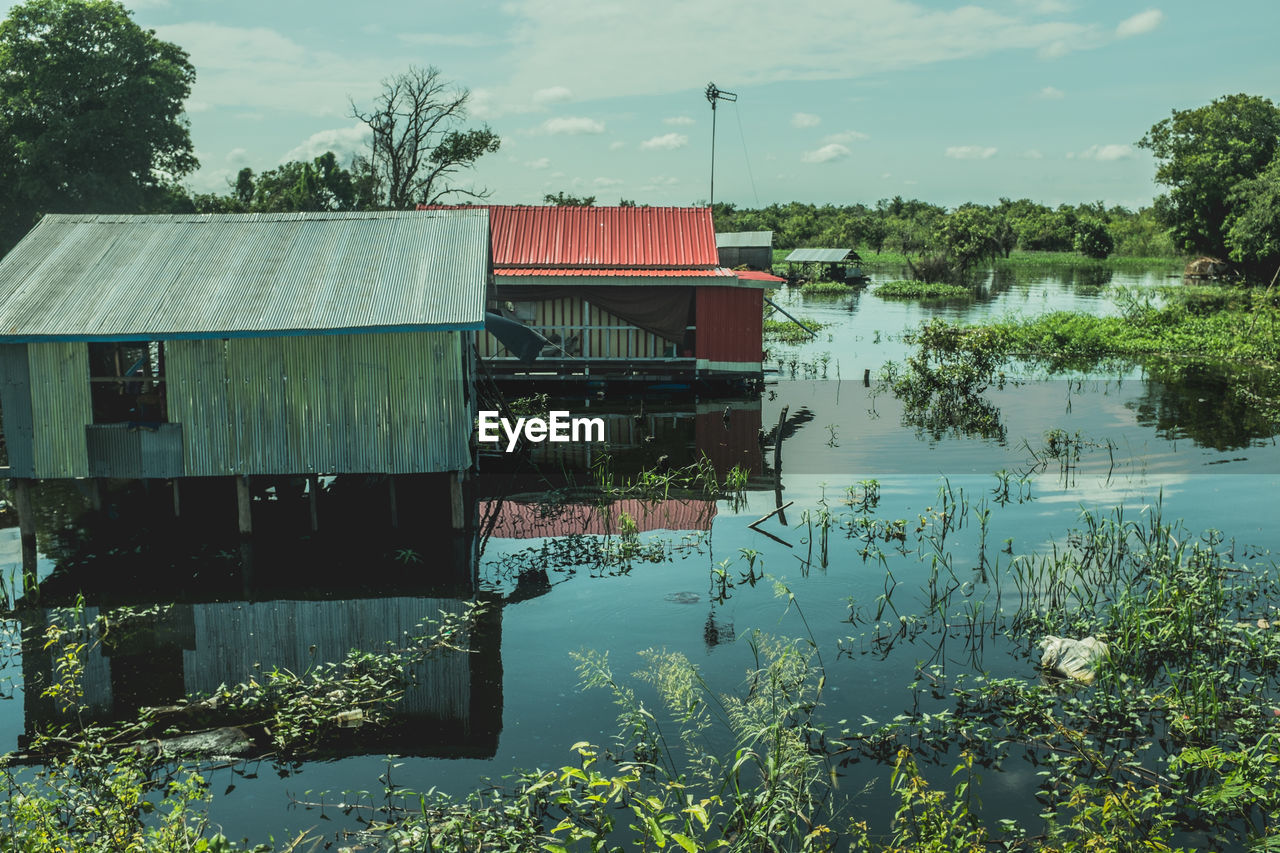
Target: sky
column 837, row 102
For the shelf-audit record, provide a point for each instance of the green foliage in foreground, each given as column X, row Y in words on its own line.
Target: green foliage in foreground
column 787, row 332
column 922, row 290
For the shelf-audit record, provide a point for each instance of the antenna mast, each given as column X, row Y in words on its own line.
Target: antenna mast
column 713, row 95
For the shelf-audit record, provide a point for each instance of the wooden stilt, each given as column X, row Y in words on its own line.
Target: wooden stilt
column 95, row 494
column 391, row 493
column 777, row 465
column 244, row 506
column 313, row 496
column 458, row 517
column 27, row 530
column 177, row 500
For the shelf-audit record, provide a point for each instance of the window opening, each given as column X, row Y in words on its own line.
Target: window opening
column 126, row 382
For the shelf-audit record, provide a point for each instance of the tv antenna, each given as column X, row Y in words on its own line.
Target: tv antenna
column 715, row 94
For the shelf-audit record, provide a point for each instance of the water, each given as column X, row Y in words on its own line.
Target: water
column 1143, row 440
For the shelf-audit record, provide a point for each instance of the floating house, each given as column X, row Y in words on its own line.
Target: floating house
column 829, row 263
column 633, row 294
column 239, row 346
column 750, row 249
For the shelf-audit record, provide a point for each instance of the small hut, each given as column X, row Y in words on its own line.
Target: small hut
column 750, row 249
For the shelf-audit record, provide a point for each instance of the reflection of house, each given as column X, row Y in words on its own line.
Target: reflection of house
column 752, row 249
column 519, row 519
column 452, row 705
column 242, row 345
column 634, row 293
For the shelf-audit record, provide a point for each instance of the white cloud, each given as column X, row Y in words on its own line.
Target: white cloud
column 572, row 125
column 1032, row 154
column 342, row 141
column 970, row 152
column 1049, row 93
column 552, row 95
column 678, row 120
column 1105, row 152
column 666, row 142
column 1143, row 22
column 1046, row 7
column 236, row 155
column 825, row 154
column 805, row 120
column 1055, row 49
column 606, row 182
column 448, row 39
column 845, row 137
column 884, row 175
column 617, row 144
column 540, row 163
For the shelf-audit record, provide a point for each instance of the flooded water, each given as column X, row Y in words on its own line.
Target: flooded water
column 544, row 564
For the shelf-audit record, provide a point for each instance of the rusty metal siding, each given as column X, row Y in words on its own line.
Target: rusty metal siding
column 730, row 324
column 61, row 406
column 117, row 450
column 332, row 404
column 197, row 394
column 15, row 407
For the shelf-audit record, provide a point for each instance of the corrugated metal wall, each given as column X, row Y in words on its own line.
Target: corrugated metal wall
column 118, row 450
column 602, row 335
column 15, row 403
column 730, row 324
column 62, row 407
column 333, row 404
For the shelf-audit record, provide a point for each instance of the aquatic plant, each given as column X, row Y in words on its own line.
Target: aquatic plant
column 922, row 290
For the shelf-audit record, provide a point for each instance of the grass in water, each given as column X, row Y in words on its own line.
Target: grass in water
column 922, row 290
column 825, row 288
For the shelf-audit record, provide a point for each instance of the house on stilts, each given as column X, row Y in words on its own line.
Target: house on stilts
column 622, row 295
column 184, row 347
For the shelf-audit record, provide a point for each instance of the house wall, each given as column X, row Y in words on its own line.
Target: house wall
column 586, row 330
column 754, row 257
column 730, row 325
column 44, row 392
column 333, row 404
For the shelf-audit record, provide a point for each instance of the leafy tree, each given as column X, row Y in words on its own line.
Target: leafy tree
column 968, row 235
column 561, row 199
column 1203, row 154
column 91, row 114
column 418, row 142
column 1092, row 239
column 1253, row 226
column 320, row 184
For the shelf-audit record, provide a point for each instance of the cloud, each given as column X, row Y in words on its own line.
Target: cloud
column 666, row 142
column 805, row 120
column 678, row 120
column 448, row 39
column 826, row 154
column 1104, row 153
column 970, row 152
column 563, row 40
column 606, row 182
column 552, row 95
column 1032, row 154
column 342, row 141
column 1049, row 93
column 1143, row 22
column 1046, row 7
column 617, row 144
column 845, row 136
column 572, row 125
column 236, row 155
column 540, row 163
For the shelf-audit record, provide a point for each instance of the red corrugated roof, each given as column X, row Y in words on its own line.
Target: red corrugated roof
column 602, row 237
column 624, row 273
column 756, row 275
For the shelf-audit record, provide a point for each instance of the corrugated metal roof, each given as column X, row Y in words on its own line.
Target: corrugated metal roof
column 757, row 275
column 601, row 237
column 821, row 256
column 744, row 239
column 232, row 275
column 718, row 272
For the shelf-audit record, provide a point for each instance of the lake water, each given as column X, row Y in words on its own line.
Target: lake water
column 555, row 587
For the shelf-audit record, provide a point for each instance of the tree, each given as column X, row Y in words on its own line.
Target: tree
column 418, row 142
column 968, row 235
column 561, row 199
column 1092, row 239
column 91, row 114
column 1253, row 226
column 1203, row 154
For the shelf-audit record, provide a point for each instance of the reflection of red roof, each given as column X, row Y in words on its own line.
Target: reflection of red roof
column 625, row 273
column 602, row 237
column 522, row 520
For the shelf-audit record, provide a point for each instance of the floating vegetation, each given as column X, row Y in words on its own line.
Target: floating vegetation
column 922, row 290
column 825, row 288
column 788, row 332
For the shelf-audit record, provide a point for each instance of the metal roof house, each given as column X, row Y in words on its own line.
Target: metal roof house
column 622, row 294
column 242, row 345
column 750, row 249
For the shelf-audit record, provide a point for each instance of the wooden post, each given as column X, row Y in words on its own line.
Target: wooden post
column 177, row 500
column 27, row 530
column 313, row 496
column 391, row 493
column 244, row 505
column 95, row 494
column 777, row 464
column 458, row 517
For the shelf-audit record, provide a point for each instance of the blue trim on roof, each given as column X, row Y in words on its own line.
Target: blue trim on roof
column 217, row 336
